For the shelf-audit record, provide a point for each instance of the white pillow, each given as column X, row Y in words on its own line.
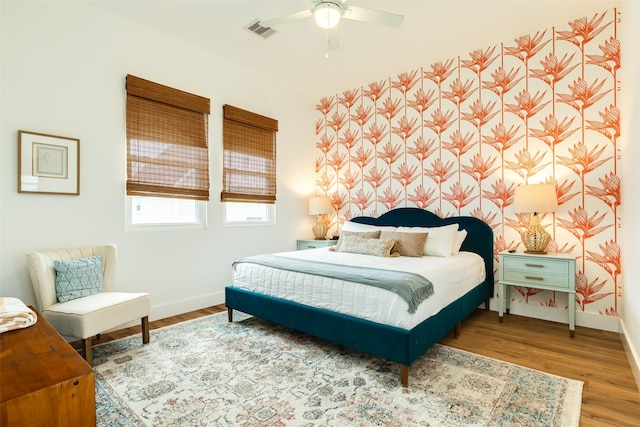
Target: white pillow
column 441, row 240
column 359, row 228
column 462, row 234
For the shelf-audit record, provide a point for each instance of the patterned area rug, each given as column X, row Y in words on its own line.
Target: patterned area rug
column 208, row 372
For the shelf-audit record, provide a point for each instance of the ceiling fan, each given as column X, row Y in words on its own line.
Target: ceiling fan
column 327, row 14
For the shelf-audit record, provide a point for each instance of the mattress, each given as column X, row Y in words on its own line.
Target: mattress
column 451, row 276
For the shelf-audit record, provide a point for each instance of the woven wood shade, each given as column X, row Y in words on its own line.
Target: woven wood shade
column 249, row 157
column 167, row 141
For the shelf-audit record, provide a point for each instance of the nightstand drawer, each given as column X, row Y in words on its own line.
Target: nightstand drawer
column 536, row 277
column 314, row 244
column 537, row 266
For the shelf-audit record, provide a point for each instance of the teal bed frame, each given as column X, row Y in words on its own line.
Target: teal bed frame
column 391, row 343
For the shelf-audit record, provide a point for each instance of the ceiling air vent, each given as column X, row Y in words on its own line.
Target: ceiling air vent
column 258, row 29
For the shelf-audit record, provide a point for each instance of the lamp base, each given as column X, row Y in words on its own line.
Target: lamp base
column 320, row 231
column 535, row 239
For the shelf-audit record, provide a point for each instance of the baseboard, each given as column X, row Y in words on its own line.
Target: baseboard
column 183, row 306
column 632, row 356
column 174, row 308
column 588, row 320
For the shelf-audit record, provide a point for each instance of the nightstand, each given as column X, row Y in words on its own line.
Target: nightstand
column 551, row 272
column 312, row 244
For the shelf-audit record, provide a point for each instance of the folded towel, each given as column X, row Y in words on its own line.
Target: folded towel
column 15, row 315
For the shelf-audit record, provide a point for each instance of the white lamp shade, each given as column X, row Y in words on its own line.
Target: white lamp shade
column 535, row 198
column 319, row 205
column 327, row 14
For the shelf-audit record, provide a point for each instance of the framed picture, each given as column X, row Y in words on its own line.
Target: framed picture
column 48, row 164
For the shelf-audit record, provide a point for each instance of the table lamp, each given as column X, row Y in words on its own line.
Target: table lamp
column 535, row 198
column 319, row 205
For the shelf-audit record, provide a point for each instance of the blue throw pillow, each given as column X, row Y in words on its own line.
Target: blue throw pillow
column 77, row 278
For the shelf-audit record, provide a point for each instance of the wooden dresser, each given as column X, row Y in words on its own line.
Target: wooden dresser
column 43, row 380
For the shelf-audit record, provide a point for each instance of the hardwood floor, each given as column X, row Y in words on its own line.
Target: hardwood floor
column 609, row 397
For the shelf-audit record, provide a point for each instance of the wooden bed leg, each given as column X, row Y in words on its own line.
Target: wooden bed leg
column 144, row 324
column 486, row 304
column 456, row 330
column 230, row 314
column 404, row 375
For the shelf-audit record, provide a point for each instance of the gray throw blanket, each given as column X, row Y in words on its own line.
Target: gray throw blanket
column 411, row 287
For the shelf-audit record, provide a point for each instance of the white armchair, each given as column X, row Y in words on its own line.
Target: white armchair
column 91, row 315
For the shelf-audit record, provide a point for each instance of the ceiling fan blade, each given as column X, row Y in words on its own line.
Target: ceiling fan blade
column 356, row 13
column 287, row 18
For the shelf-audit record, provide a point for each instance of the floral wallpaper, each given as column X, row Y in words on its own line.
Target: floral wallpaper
column 457, row 136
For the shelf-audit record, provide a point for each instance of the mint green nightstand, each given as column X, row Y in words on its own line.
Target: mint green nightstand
column 552, row 272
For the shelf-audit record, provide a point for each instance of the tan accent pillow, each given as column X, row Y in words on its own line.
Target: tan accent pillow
column 408, row 244
column 367, row 246
column 368, row 234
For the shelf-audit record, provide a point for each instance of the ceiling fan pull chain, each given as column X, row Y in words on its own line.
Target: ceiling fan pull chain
column 326, row 44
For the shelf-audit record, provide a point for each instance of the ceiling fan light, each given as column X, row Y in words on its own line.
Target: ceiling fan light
column 327, row 14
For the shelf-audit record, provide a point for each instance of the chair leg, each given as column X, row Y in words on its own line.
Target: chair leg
column 145, row 330
column 86, row 349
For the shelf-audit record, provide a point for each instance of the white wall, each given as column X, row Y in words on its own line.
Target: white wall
column 630, row 175
column 63, row 73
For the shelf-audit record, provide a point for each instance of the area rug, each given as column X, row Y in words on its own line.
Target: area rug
column 209, row 372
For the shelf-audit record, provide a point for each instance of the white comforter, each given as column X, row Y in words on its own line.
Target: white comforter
column 451, row 276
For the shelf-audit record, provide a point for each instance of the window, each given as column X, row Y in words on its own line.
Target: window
column 249, row 167
column 248, row 213
column 161, row 211
column 167, row 155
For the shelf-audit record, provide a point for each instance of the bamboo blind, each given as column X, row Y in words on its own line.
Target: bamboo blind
column 249, row 157
column 167, row 141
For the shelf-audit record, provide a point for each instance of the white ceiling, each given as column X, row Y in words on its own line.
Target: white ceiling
column 432, row 31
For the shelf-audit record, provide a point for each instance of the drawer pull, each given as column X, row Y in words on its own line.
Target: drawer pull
column 534, row 265
column 533, row 278
column 311, row 247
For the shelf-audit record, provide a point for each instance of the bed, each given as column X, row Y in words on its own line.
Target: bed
column 400, row 344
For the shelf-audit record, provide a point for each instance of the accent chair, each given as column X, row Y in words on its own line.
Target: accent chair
column 73, row 293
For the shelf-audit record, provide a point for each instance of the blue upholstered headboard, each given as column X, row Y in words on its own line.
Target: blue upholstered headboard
column 479, row 238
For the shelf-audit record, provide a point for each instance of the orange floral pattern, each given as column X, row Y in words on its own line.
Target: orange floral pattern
column 458, row 136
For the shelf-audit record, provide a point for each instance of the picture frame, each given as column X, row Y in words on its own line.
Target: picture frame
column 48, row 164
